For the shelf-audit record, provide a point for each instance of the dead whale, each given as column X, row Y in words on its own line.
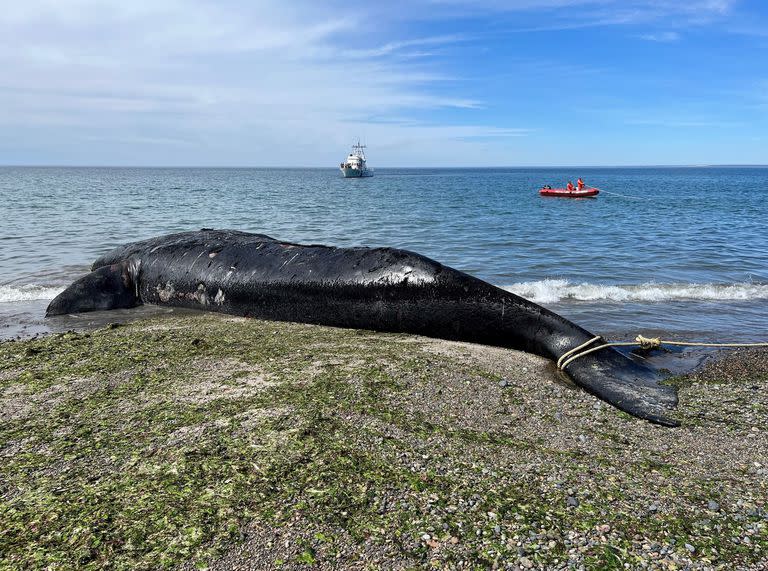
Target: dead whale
column 382, row 289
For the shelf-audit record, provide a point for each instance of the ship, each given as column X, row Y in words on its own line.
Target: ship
column 355, row 166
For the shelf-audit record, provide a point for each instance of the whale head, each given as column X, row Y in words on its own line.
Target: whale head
column 108, row 287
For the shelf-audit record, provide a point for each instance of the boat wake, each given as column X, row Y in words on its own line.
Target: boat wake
column 558, row 290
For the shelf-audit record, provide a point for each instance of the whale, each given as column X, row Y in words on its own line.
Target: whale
column 381, row 289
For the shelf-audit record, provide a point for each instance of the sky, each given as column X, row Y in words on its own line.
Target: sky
column 421, row 82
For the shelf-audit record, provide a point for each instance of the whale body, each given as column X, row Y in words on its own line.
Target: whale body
column 382, row 289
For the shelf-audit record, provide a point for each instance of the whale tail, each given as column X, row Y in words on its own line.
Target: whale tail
column 627, row 385
column 109, row 287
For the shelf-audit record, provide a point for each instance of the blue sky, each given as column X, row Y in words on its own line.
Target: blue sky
column 422, row 82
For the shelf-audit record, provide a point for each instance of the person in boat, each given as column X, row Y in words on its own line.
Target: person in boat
column 569, row 187
column 580, row 184
column 547, row 187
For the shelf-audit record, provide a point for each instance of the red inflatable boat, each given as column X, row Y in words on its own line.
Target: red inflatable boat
column 575, row 193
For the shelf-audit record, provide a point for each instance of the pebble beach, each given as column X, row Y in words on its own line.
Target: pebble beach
column 207, row 441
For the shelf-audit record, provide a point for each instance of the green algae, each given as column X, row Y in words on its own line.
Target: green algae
column 159, row 443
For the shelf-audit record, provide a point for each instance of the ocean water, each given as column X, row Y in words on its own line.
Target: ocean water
column 679, row 252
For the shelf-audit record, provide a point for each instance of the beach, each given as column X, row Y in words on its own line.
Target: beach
column 209, row 441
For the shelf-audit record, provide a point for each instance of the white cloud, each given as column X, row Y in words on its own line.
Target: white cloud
column 397, row 47
column 237, row 82
column 577, row 14
column 658, row 7
column 662, row 37
column 258, row 75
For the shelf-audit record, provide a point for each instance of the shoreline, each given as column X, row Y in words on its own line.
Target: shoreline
column 240, row 444
column 31, row 323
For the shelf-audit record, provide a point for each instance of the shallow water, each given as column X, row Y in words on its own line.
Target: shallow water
column 681, row 252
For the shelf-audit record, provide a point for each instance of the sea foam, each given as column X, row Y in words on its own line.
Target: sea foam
column 544, row 291
column 554, row 290
column 28, row 292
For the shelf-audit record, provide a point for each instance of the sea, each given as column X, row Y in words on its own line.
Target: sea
column 680, row 253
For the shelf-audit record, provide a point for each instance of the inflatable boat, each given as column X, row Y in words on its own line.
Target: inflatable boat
column 575, row 193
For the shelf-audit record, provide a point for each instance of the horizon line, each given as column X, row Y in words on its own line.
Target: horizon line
column 243, row 167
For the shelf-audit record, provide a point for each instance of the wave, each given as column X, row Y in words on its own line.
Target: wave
column 544, row 291
column 29, row 292
column 553, row 291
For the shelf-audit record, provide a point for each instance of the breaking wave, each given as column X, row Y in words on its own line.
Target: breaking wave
column 544, row 291
column 29, row 292
column 554, row 290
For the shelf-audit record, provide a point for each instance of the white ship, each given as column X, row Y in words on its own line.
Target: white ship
column 354, row 166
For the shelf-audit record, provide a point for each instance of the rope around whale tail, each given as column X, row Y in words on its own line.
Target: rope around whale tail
column 640, row 341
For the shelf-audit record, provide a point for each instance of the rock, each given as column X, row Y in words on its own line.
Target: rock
column 690, row 547
column 571, row 501
column 713, row 506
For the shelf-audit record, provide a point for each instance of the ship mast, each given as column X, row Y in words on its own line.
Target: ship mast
column 358, row 150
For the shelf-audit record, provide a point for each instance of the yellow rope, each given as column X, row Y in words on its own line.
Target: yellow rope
column 643, row 342
column 567, row 354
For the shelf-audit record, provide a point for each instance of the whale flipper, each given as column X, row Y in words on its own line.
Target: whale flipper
column 108, row 287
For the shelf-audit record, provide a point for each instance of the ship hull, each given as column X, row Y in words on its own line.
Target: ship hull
column 355, row 173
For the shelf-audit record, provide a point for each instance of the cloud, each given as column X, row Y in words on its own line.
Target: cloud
column 397, row 47
column 579, row 14
column 262, row 81
column 662, row 37
column 259, row 75
column 657, row 7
